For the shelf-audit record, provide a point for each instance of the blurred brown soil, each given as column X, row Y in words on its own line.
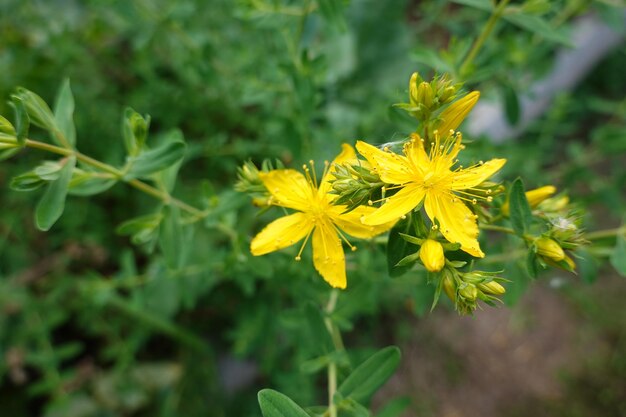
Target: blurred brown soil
column 480, row 366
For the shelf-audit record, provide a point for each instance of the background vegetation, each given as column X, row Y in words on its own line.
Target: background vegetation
column 92, row 325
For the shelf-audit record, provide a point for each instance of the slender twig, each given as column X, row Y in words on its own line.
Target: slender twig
column 496, row 228
column 118, row 174
column 602, row 234
column 487, row 29
column 332, row 366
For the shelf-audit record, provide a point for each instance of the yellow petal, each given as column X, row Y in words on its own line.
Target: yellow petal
column 416, row 154
column 289, row 188
column 328, row 256
column 281, row 233
column 471, row 177
column 396, row 206
column 456, row 222
column 452, row 116
column 351, row 222
column 347, row 154
column 392, row 168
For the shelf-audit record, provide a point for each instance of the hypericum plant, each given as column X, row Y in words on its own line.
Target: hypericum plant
column 416, row 189
column 434, row 207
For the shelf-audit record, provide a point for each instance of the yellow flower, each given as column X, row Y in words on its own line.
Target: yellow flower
column 430, row 177
column 431, row 255
column 316, row 216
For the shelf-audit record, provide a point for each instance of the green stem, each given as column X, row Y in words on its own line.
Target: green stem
column 601, row 234
column 135, row 183
column 332, row 366
column 487, row 29
column 496, row 228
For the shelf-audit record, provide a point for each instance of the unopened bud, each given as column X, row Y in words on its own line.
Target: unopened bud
column 550, row 249
column 468, row 291
column 538, row 195
column 413, row 83
column 449, row 287
column 456, row 112
column 431, row 255
column 492, row 287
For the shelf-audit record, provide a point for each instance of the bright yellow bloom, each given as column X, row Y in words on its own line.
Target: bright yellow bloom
column 431, row 255
column 430, row 177
column 317, row 216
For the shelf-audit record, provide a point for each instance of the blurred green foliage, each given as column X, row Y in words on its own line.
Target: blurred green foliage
column 91, row 325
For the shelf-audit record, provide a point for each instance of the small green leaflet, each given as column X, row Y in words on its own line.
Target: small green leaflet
column 520, row 213
column 64, row 113
column 52, row 204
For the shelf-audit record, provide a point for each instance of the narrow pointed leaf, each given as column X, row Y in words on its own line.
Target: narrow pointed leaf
column 64, row 113
column 52, row 204
column 157, row 159
column 371, row 374
column 22, row 121
column 520, row 213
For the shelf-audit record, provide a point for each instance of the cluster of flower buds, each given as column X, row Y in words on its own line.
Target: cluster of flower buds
column 355, row 185
column 465, row 288
column 427, row 97
column 250, row 183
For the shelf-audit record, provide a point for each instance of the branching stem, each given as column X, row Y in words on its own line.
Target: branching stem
column 116, row 173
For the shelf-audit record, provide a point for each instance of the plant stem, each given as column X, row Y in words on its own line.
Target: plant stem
column 496, row 228
column 135, row 183
column 601, row 234
column 332, row 366
column 487, row 29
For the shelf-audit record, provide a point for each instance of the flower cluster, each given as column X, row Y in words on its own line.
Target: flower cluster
column 418, row 180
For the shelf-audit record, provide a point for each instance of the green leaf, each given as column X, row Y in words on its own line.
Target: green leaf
column 155, row 160
column 398, row 248
column 511, row 104
column 171, row 236
column 275, row 404
column 486, row 5
column 520, row 213
column 319, row 336
column 37, row 109
column 64, row 112
column 143, row 229
column 618, row 257
column 371, row 374
column 52, row 203
column 27, row 181
column 85, row 183
column 536, row 25
column 6, row 127
column 22, row 121
column 532, row 266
